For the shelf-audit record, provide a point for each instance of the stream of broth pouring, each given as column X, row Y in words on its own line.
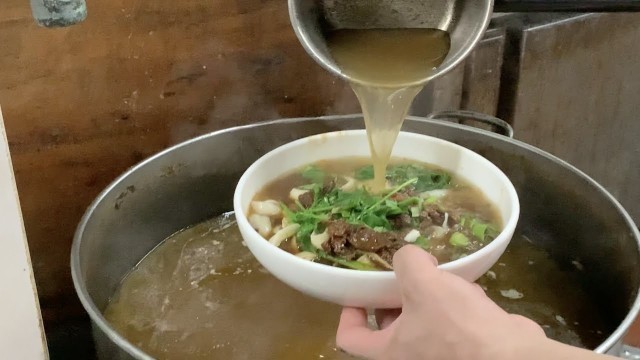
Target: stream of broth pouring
column 384, row 61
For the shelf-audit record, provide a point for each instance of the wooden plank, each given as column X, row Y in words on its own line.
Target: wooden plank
column 472, row 85
column 577, row 97
column 573, row 92
column 482, row 72
column 443, row 93
column 21, row 331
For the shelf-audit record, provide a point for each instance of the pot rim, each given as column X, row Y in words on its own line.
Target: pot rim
column 98, row 318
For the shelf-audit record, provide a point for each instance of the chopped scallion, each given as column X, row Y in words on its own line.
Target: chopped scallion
column 459, row 239
column 415, row 211
column 423, row 242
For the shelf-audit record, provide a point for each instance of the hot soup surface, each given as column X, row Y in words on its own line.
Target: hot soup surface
column 201, row 295
column 327, row 212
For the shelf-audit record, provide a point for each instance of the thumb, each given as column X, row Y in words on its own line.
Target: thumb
column 414, row 267
column 356, row 338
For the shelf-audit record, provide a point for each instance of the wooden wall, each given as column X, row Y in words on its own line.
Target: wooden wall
column 576, row 96
column 570, row 87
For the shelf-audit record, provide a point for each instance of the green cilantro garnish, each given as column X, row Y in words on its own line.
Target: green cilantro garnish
column 397, row 174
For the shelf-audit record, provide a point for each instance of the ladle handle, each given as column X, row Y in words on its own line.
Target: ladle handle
column 566, row 5
column 630, row 353
column 461, row 115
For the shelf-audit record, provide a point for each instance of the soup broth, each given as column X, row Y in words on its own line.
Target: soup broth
column 387, row 64
column 326, row 212
column 201, row 295
column 389, row 58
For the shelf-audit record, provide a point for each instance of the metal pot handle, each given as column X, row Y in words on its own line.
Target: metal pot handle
column 461, row 115
column 630, row 352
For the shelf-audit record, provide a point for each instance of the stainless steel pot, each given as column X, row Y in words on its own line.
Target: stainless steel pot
column 569, row 213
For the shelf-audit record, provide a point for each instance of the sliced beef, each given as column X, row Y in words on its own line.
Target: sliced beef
column 387, row 253
column 399, row 196
column 349, row 253
column 306, row 199
column 339, row 228
column 335, row 244
column 344, row 236
column 328, row 186
column 401, row 221
column 424, row 225
column 350, row 241
column 433, row 214
column 369, row 240
column 338, row 232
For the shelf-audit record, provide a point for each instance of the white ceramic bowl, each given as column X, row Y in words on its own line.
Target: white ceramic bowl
column 369, row 289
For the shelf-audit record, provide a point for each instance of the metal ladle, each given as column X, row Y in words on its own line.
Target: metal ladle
column 464, row 20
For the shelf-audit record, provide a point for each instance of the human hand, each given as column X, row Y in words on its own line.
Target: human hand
column 443, row 317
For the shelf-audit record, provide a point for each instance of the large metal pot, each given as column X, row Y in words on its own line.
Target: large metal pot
column 567, row 212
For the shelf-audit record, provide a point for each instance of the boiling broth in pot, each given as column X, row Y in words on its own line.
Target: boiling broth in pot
column 200, row 294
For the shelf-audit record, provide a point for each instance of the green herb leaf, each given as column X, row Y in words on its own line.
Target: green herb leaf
column 479, row 230
column 423, row 242
column 314, row 174
column 402, row 186
column 358, row 207
column 431, row 200
column 375, row 221
column 364, row 173
column 482, row 231
column 427, row 179
column 304, row 237
column 459, row 239
column 491, row 233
